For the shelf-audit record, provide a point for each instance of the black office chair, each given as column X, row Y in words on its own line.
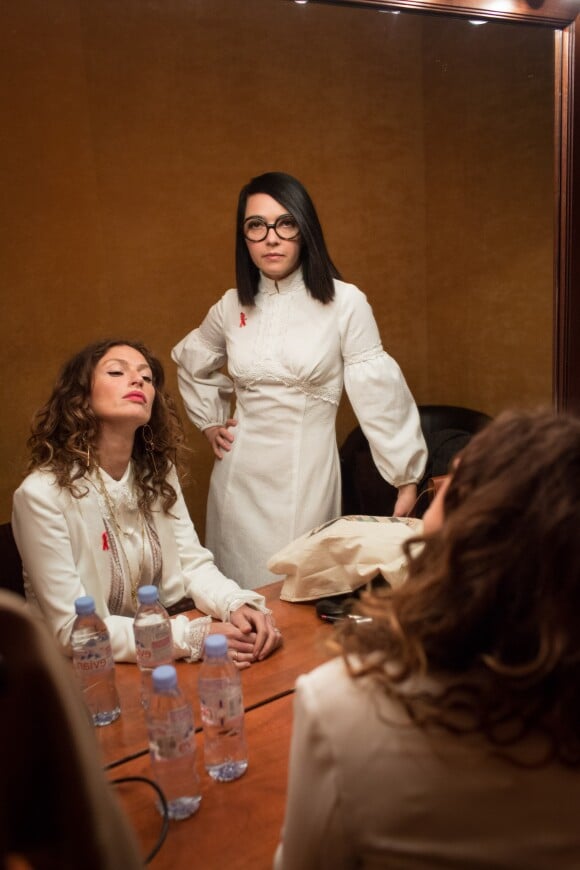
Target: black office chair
column 446, row 428
column 435, row 418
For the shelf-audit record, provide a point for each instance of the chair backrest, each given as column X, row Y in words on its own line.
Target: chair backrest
column 434, row 418
column 56, row 807
column 447, row 428
column 364, row 491
column 10, row 561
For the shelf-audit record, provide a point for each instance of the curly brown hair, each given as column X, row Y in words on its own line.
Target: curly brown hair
column 65, row 429
column 492, row 601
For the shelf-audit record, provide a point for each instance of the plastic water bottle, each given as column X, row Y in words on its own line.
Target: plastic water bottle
column 222, row 712
column 93, row 662
column 172, row 744
column 153, row 637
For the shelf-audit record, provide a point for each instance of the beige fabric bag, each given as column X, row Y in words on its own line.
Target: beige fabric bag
column 343, row 555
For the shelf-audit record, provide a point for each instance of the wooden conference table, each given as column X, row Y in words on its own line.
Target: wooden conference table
column 238, row 824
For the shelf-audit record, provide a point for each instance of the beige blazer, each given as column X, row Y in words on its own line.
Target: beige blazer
column 369, row 789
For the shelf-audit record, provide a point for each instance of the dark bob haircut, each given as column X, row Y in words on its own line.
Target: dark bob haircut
column 317, row 267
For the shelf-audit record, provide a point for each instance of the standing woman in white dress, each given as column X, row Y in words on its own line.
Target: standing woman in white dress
column 292, row 335
column 101, row 511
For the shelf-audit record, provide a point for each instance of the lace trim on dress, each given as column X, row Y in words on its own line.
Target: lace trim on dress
column 364, row 355
column 315, row 391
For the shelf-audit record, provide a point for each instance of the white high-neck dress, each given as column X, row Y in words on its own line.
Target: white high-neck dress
column 288, row 359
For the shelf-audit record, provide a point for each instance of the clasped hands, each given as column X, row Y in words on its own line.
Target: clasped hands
column 251, row 635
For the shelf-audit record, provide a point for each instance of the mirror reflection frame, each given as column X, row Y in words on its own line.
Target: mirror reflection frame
column 564, row 17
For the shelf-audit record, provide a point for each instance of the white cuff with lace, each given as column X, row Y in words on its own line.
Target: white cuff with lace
column 197, row 631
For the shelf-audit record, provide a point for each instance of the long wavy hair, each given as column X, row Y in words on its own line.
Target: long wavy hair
column 491, row 607
column 65, row 430
column 317, row 268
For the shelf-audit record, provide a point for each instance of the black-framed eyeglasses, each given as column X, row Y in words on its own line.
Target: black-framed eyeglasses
column 256, row 229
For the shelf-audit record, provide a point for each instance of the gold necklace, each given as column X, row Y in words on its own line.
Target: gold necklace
column 133, row 581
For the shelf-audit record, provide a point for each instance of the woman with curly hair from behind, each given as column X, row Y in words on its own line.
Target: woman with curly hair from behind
column 447, row 733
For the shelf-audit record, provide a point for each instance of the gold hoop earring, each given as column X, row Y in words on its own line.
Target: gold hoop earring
column 147, row 432
column 88, row 459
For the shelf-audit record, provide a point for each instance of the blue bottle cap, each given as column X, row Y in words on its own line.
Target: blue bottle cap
column 216, row 645
column 147, row 594
column 164, row 678
column 85, row 605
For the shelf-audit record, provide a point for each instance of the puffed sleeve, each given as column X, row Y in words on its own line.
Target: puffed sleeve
column 313, row 834
column 206, row 392
column 379, row 395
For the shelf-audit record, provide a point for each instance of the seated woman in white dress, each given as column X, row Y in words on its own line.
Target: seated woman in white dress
column 447, row 734
column 102, row 512
column 292, row 335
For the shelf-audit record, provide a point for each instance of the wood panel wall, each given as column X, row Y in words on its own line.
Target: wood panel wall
column 130, row 127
